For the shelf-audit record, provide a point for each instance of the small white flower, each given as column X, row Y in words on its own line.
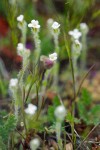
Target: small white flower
column 60, row 113
column 34, row 144
column 13, row 83
column 75, row 34
column 53, row 57
column 34, row 24
column 31, row 109
column 20, row 18
column 55, row 25
column 84, row 28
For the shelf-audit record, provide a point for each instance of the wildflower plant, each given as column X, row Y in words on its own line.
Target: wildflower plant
column 75, row 49
column 60, row 113
column 28, row 90
column 55, row 32
column 35, row 28
column 22, row 25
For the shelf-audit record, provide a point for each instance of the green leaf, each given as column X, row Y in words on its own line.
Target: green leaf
column 71, row 119
column 88, row 113
column 51, row 109
column 8, row 127
column 2, row 145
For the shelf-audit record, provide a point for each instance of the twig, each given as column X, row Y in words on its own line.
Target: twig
column 85, row 76
column 87, row 136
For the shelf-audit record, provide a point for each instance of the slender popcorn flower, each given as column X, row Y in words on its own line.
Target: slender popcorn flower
column 53, row 57
column 84, row 28
column 34, row 24
column 13, row 83
column 60, row 113
column 31, row 109
column 55, row 25
column 75, row 34
column 34, row 144
column 20, row 18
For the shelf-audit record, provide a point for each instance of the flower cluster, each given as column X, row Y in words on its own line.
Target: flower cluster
column 34, row 25
column 75, row 34
column 55, row 26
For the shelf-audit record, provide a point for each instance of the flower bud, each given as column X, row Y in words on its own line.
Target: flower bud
column 60, row 113
column 34, row 144
column 47, row 63
column 50, row 22
column 84, row 28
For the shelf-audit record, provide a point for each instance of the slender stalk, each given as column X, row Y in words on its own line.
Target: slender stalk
column 85, row 76
column 74, row 86
column 58, row 133
column 23, row 113
column 87, row 135
column 73, row 103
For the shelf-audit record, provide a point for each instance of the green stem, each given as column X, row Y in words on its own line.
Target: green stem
column 73, row 103
column 84, row 53
column 58, row 133
column 23, row 112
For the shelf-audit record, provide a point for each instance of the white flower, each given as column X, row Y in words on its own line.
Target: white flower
column 60, row 113
column 84, row 28
column 55, row 25
column 34, row 24
column 20, row 18
column 53, row 57
column 31, row 109
column 13, row 83
column 75, row 34
column 34, row 144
